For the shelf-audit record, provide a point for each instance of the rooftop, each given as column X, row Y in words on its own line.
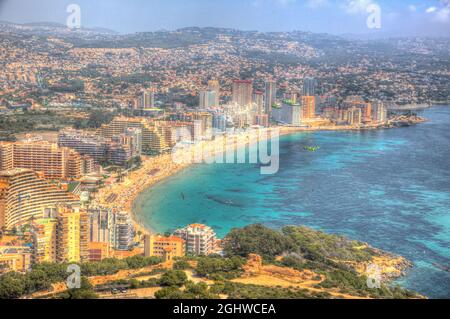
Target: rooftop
column 14, row 171
column 168, row 239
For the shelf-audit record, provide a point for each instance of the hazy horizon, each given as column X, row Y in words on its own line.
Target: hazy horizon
column 404, row 17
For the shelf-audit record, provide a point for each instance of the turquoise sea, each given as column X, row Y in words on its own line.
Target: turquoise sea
column 390, row 188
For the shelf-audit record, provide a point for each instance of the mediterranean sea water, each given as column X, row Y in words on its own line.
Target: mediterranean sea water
column 390, row 188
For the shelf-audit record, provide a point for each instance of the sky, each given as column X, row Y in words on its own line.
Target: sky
column 397, row 17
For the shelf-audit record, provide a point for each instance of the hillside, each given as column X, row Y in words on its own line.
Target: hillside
column 294, row 263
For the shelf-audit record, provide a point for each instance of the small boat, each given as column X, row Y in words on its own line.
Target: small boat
column 311, row 148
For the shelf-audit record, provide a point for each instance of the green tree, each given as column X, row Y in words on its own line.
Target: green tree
column 256, row 239
column 37, row 280
column 12, row 285
column 218, row 267
column 181, row 265
column 173, row 278
column 86, row 291
column 169, row 293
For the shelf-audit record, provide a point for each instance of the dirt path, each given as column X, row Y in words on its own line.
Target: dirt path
column 271, row 281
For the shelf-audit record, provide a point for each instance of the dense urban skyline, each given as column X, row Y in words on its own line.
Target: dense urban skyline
column 404, row 17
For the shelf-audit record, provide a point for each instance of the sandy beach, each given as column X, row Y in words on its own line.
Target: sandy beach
column 120, row 196
column 152, row 171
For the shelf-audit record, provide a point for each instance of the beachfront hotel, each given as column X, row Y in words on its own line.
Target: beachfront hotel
column 24, row 195
column 200, row 239
column 308, row 107
column 58, row 163
column 116, row 151
column 84, row 143
column 108, row 228
column 61, row 236
column 123, row 231
column 357, row 102
column 101, row 225
column 289, row 113
column 156, row 136
column 379, row 112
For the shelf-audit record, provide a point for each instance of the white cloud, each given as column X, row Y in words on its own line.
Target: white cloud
column 441, row 14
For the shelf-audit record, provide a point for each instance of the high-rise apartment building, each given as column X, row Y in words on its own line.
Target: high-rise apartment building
column 124, row 231
column 116, row 150
column 6, row 156
column 72, row 234
column 133, row 138
column 156, row 136
column 61, row 235
column 270, row 96
column 44, row 239
column 213, row 85
column 354, row 116
column 242, row 92
column 379, row 112
column 357, row 102
column 118, row 153
column 101, row 225
column 80, row 165
column 288, row 113
column 309, row 86
column 47, row 158
column 205, row 120
column 258, row 101
column 84, row 143
column 308, row 104
column 207, row 99
column 24, row 195
column 200, row 239
column 148, row 98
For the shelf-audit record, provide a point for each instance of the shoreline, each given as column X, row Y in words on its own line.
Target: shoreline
column 158, row 169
